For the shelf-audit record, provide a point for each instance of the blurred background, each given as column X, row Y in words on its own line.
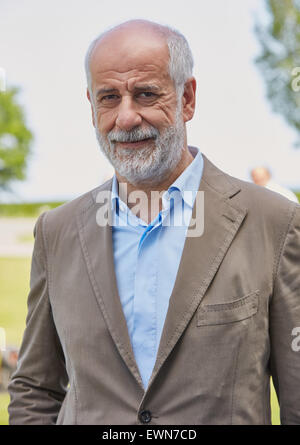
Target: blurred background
column 247, row 65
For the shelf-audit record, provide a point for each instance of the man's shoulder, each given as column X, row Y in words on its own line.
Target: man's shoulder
column 271, row 185
column 67, row 212
column 260, row 198
column 264, row 202
column 259, row 201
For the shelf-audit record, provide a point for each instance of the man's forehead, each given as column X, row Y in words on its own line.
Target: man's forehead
column 131, row 73
column 123, row 52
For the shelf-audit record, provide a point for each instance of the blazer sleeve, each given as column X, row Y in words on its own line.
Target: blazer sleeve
column 285, row 324
column 39, row 384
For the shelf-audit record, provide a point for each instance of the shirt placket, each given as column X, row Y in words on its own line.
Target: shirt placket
column 145, row 302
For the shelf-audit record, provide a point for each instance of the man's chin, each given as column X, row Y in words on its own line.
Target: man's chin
column 147, row 177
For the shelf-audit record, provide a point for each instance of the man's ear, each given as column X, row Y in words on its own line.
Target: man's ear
column 189, row 99
column 92, row 108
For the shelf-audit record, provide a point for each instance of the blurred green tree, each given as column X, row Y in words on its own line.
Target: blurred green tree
column 15, row 139
column 279, row 60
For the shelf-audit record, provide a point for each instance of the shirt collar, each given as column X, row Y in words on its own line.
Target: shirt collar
column 188, row 182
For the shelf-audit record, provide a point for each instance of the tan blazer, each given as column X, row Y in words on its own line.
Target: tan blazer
column 235, row 303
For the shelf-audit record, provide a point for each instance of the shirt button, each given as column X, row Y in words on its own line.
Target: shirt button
column 122, row 207
column 145, row 416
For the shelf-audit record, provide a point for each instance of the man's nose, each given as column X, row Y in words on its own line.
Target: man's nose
column 128, row 117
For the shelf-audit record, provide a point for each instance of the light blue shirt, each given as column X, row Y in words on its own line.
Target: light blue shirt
column 146, row 258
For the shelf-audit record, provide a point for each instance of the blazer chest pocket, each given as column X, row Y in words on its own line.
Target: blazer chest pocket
column 233, row 311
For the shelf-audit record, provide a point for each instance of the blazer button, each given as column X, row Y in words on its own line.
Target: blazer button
column 145, row 416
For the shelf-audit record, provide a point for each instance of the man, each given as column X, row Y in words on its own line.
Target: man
column 262, row 176
column 151, row 321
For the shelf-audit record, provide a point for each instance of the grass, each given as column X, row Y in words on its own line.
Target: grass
column 30, row 209
column 4, row 401
column 25, row 238
column 14, row 287
column 274, row 407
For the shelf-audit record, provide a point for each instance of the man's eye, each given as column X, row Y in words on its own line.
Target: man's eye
column 147, row 94
column 109, row 97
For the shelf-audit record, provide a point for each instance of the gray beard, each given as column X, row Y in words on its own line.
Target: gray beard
column 150, row 164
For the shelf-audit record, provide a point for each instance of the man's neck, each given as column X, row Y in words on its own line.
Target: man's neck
column 147, row 211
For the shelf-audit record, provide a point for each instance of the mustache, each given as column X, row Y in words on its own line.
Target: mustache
column 134, row 135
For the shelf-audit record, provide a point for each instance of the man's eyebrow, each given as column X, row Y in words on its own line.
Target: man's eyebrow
column 147, row 87
column 137, row 88
column 106, row 91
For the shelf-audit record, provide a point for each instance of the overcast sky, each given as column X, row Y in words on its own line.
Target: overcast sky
column 42, row 49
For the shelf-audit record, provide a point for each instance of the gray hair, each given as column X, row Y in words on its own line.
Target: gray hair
column 180, row 56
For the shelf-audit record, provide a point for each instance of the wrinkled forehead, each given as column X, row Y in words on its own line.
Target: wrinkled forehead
column 125, row 51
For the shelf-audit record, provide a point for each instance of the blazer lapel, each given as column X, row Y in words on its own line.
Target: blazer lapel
column 201, row 257
column 96, row 242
